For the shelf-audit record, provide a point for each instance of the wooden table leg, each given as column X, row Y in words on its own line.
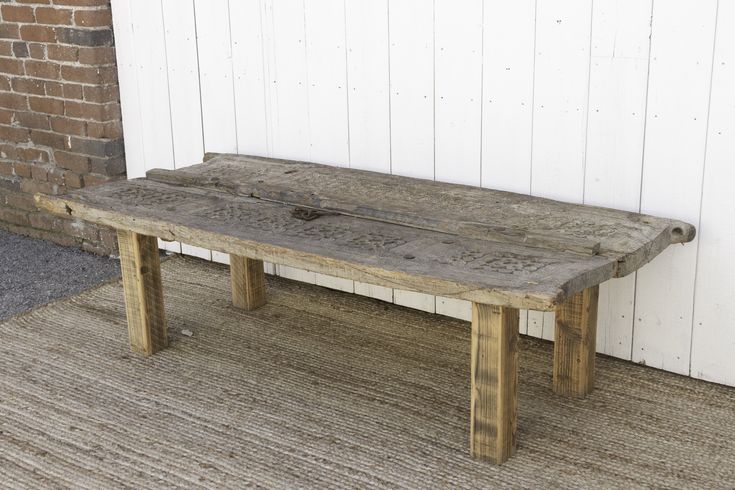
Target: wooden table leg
column 494, row 374
column 141, row 273
column 248, row 282
column 575, row 343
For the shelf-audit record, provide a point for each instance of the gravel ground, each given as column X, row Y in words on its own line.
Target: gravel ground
column 34, row 272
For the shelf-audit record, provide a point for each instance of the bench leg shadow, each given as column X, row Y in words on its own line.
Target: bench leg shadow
column 141, row 273
column 248, row 282
column 574, row 344
column 494, row 374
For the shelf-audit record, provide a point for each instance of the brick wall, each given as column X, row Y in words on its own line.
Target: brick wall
column 60, row 123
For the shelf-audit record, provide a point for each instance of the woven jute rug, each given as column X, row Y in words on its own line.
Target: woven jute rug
column 320, row 389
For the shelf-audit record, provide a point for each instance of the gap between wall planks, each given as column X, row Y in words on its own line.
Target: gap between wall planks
column 396, row 86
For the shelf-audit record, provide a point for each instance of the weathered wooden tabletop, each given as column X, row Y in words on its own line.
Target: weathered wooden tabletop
column 481, row 245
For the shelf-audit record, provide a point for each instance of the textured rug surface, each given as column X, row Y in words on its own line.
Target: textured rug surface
column 320, row 389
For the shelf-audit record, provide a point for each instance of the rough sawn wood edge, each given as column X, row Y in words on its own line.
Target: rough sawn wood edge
column 65, row 205
column 672, row 231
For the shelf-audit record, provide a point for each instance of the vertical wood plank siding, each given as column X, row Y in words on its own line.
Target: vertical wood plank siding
column 620, row 103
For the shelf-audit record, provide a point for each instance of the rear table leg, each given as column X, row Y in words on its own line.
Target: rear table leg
column 575, row 342
column 248, row 282
column 494, row 374
column 141, row 273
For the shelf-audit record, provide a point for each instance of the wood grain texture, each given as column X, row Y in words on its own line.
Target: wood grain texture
column 141, row 274
column 248, row 282
column 629, row 238
column 494, row 374
column 386, row 254
column 574, row 344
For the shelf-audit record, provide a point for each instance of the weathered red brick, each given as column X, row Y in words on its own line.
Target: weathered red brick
column 37, row 50
column 101, row 93
column 84, row 37
column 19, row 200
column 64, row 125
column 20, row 49
column 13, row 101
column 60, row 52
column 32, row 32
column 6, row 48
column 46, row 138
column 9, row 31
column 39, row 172
column 100, row 55
column 107, row 166
column 108, row 237
column 42, row 69
column 11, row 66
column 84, row 3
column 17, row 135
column 72, row 161
column 32, row 155
column 47, row 105
column 6, row 168
column 54, row 89
column 32, row 120
column 15, row 216
column 73, row 91
column 93, row 18
column 44, row 221
column 32, row 186
column 108, row 130
column 54, row 15
column 6, row 116
column 22, row 169
column 93, row 112
column 88, row 74
column 73, row 181
column 17, row 13
column 96, row 179
column 29, row 86
column 96, row 147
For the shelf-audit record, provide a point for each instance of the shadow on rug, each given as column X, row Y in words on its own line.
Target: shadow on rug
column 322, row 389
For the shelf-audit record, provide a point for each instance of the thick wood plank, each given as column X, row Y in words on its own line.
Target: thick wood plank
column 574, row 344
column 507, row 94
column 494, row 374
column 631, row 239
column 714, row 307
column 248, row 282
column 371, row 251
column 141, row 273
column 458, row 90
column 411, row 91
column 682, row 45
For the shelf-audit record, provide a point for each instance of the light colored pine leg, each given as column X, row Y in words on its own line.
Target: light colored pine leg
column 141, row 273
column 248, row 282
column 494, row 382
column 574, row 344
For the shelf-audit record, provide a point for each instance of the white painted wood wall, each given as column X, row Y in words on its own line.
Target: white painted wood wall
column 621, row 103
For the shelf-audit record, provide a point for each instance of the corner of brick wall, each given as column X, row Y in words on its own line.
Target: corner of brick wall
column 60, row 125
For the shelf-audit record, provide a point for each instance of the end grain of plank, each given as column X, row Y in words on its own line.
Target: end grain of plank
column 248, row 282
column 494, row 375
column 574, row 344
column 141, row 273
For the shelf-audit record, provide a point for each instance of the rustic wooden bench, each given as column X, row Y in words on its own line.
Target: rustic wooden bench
column 499, row 250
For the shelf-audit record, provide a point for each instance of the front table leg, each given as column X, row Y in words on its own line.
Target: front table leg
column 141, row 273
column 574, row 344
column 494, row 375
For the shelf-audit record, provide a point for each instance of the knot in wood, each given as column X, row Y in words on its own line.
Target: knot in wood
column 307, row 214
